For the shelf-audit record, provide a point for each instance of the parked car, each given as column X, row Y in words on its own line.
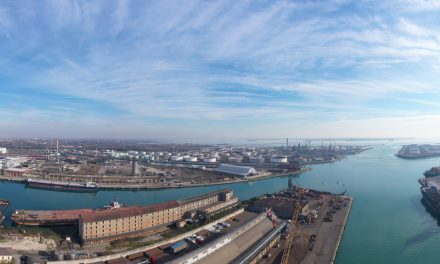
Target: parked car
column 225, row 224
column 200, row 239
column 190, row 240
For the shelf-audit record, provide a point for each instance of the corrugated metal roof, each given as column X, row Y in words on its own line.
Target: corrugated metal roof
column 236, row 170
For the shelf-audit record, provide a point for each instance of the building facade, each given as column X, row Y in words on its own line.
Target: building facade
column 107, row 225
column 6, row 255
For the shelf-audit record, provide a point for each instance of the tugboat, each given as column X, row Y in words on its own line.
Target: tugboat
column 113, row 205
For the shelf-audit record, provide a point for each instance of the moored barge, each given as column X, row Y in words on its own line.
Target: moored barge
column 47, row 218
column 62, row 186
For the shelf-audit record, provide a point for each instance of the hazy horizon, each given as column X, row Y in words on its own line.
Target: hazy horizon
column 219, row 71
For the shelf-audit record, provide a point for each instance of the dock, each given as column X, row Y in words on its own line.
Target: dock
column 328, row 236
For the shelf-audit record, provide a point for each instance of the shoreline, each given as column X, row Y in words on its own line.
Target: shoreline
column 179, row 186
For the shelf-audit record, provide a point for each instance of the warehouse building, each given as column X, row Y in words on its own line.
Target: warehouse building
column 240, row 171
column 6, row 255
column 107, row 225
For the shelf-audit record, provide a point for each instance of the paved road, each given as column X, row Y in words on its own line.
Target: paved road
column 327, row 236
column 227, row 253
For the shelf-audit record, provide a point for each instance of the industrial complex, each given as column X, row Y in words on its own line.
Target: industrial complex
column 213, row 227
column 90, row 165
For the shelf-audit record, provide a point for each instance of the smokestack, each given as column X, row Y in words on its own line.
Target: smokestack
column 133, row 167
column 57, row 154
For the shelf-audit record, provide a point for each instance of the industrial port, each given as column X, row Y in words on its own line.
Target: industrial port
column 75, row 165
column 211, row 228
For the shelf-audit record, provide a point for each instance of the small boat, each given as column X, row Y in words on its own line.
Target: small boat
column 113, row 205
column 62, row 186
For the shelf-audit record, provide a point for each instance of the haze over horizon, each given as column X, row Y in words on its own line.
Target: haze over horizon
column 220, row 70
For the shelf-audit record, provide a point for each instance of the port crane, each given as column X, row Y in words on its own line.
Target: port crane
column 290, row 233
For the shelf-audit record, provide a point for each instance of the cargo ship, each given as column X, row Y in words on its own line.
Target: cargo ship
column 62, row 186
column 434, row 171
column 47, row 218
column 430, row 192
column 55, row 217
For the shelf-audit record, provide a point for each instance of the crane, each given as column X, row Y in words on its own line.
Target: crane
column 290, row 233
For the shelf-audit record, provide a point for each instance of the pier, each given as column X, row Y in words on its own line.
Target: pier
column 328, row 236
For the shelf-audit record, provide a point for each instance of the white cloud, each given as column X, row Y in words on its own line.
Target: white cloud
column 217, row 61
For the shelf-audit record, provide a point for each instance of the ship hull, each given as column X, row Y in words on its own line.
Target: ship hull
column 61, row 187
column 429, row 174
column 43, row 223
column 433, row 205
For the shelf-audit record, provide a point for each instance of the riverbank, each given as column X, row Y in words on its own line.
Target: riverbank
column 119, row 186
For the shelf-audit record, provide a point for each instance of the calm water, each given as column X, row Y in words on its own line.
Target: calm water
column 387, row 223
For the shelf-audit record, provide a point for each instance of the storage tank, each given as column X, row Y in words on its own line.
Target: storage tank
column 190, row 159
column 176, row 158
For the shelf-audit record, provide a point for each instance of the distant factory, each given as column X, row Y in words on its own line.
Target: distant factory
column 3, row 151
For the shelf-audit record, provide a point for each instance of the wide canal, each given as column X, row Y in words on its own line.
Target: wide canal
column 387, row 224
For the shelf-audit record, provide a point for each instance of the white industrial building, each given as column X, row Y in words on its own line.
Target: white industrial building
column 6, row 255
column 279, row 159
column 13, row 162
column 176, row 158
column 3, row 151
column 240, row 171
column 190, row 159
column 209, row 159
column 235, row 159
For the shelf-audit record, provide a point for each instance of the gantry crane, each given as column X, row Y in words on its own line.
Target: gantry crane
column 290, row 233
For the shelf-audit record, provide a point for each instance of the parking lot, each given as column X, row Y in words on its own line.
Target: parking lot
column 166, row 253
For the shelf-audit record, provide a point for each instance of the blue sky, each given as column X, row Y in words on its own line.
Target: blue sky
column 219, row 70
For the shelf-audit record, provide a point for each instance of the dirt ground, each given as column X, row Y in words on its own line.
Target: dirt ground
column 28, row 244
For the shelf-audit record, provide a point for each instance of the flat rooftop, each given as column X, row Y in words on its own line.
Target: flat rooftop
column 281, row 206
column 234, row 248
column 102, row 215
